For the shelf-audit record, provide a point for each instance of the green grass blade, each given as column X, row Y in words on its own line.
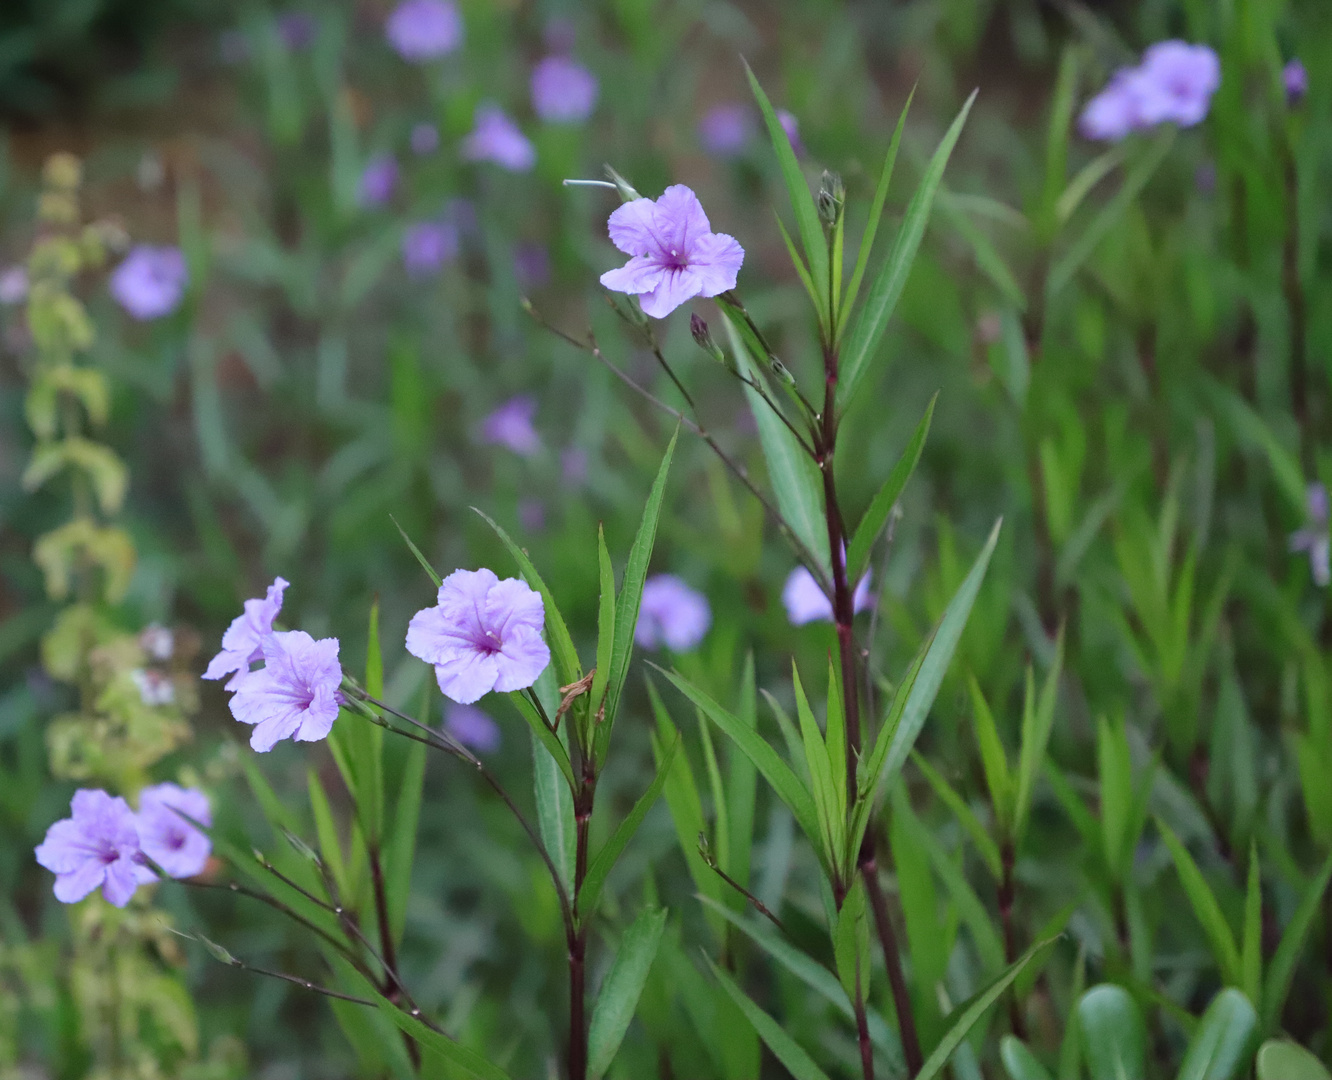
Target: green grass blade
column 1205, row 907
column 784, row 1048
column 886, row 288
column 1251, row 949
column 994, row 760
column 802, row 271
column 621, row 989
column 1281, row 971
column 1037, row 723
column 416, row 551
column 966, row 817
column 400, row 851
column 871, row 525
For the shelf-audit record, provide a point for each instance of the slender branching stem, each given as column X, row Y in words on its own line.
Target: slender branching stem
column 754, row 902
column 892, row 960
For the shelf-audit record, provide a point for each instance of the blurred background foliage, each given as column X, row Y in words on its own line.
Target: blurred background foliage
column 1136, row 380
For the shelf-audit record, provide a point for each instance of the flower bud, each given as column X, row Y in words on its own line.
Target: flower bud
column 832, row 194
column 703, row 338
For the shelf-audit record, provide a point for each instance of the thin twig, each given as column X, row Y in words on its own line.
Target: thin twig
column 757, row 904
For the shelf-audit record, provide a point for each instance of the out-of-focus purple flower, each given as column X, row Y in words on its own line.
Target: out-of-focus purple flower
column 295, row 694
column 725, row 130
column 532, row 515
column 676, row 255
column 167, row 837
column 496, row 138
column 804, row 600
column 1176, row 82
column 1113, row 113
column 472, row 727
column 1295, row 79
column 483, row 634
column 421, row 30
column 573, row 465
column 1314, row 538
column 158, row 641
column 155, row 688
column 13, row 285
column 531, row 264
column 150, row 281
column 511, row 425
column 97, row 845
column 297, row 30
column 791, row 126
column 379, row 179
column 563, row 91
column 242, row 644
column 427, row 246
column 671, row 614
column 424, row 139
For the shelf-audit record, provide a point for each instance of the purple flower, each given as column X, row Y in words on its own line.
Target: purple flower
column 804, row 600
column 1176, row 83
column 295, row 694
column 150, row 281
column 157, row 641
column 97, row 845
column 297, row 30
column 563, row 91
column 725, row 130
column 511, row 425
column 155, row 688
column 496, row 138
column 379, row 179
column 676, row 255
column 13, row 285
column 242, row 643
column 671, row 614
column 472, row 727
column 483, row 634
column 531, row 264
column 167, row 837
column 1295, row 79
column 1314, row 538
column 424, row 139
column 791, row 126
column 422, row 30
column 1113, row 113
column 427, row 246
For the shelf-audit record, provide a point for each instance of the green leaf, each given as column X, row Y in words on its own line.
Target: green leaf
column 1056, row 143
column 605, row 623
column 898, row 735
column 1205, row 907
column 1218, row 1048
column 993, row 759
column 742, row 782
column 542, row 732
column 802, row 271
column 1281, row 1060
column 631, row 594
column 326, row 829
column 778, row 774
column 871, row 525
column 1037, row 723
column 1019, row 1062
column 851, row 942
column 784, row 1048
column 970, row 1012
column 605, row 860
column 460, row 1057
column 425, row 563
column 1114, row 1040
column 1251, row 949
column 1115, row 770
column 802, row 199
column 966, row 817
column 886, row 288
column 401, row 849
column 1253, row 430
column 792, row 474
column 623, row 986
column 875, row 214
column 371, row 742
column 1281, row 971
column 555, row 815
column 562, row 648
column 832, row 822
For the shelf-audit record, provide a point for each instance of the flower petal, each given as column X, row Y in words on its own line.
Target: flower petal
column 467, row 678
column 716, row 258
column 521, row 661
column 633, row 228
column 121, row 881
column 680, row 221
column 676, row 287
column 73, row 886
column 640, row 274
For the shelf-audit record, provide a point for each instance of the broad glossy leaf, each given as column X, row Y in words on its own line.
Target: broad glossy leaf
column 1219, row 1048
column 1114, row 1040
column 1281, row 1060
column 620, row 990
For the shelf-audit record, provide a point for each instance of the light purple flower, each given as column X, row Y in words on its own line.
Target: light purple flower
column 676, row 255
column 563, row 91
column 1314, row 538
column 1113, row 113
column 150, row 281
column 295, row 694
column 421, row 30
column 472, row 727
column 97, row 845
column 13, row 285
column 167, row 837
column 297, row 30
column 671, row 614
column 424, row 139
column 804, row 600
column 725, row 130
column 1295, row 79
column 483, row 634
column 531, row 264
column 573, row 465
column 379, row 180
column 496, row 138
column 791, row 126
column 242, row 643
column 511, row 425
column 155, row 687
column 158, row 641
column 427, row 246
column 1176, row 83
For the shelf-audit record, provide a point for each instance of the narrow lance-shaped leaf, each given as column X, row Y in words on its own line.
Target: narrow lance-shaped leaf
column 821, row 777
column 1218, row 1049
column 994, row 760
column 1251, row 948
column 1282, row 968
column 1037, row 723
column 605, row 623
column 1205, row 907
column 784, row 1048
column 621, row 989
column 886, row 289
